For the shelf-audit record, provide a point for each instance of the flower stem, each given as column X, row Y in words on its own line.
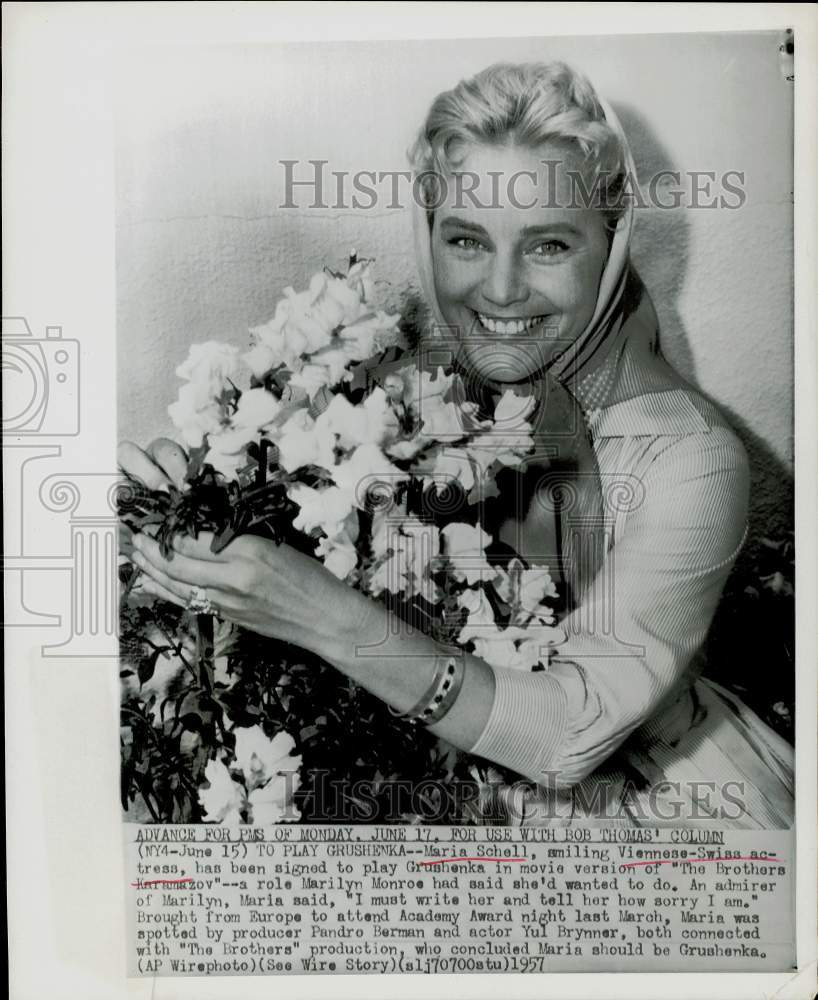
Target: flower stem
column 204, row 651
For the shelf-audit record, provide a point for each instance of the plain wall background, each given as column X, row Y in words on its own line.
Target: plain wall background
column 204, row 250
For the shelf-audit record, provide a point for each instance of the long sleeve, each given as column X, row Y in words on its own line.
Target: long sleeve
column 631, row 641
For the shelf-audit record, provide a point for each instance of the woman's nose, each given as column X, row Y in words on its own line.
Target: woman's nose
column 504, row 283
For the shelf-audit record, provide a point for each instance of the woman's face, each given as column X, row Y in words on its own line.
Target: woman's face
column 517, row 281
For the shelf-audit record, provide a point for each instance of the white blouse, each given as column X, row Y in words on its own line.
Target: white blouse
column 675, row 486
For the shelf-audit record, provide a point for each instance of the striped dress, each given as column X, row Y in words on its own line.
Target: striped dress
column 621, row 728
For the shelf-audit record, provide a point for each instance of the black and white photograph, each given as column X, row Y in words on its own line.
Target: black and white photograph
column 410, row 563
column 458, row 432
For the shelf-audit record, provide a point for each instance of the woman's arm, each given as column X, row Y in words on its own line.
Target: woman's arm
column 645, row 615
column 277, row 591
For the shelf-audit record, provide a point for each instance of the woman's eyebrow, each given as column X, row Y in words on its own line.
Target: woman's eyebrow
column 452, row 221
column 550, row 228
column 543, row 229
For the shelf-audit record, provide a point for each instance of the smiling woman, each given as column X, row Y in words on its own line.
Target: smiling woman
column 522, row 272
column 544, row 293
column 634, row 486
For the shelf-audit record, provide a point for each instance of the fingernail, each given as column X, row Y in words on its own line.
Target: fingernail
column 137, row 541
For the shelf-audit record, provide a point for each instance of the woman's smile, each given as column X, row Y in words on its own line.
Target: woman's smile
column 517, row 284
column 511, row 325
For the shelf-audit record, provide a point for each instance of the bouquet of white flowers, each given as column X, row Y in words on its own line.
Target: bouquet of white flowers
column 326, row 435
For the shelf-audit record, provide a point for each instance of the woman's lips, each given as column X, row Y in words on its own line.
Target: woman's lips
column 511, row 326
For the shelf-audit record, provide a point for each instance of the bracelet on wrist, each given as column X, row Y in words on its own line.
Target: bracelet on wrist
column 441, row 693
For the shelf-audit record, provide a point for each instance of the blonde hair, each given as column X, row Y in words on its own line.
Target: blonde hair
column 526, row 104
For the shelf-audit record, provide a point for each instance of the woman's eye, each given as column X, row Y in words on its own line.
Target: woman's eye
column 466, row 243
column 549, row 248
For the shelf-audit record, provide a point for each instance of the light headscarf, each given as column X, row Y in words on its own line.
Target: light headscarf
column 617, row 355
column 615, row 358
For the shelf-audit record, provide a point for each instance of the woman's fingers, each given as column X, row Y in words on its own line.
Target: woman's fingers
column 133, row 460
column 198, row 548
column 147, row 585
column 125, row 540
column 180, row 589
column 180, row 569
column 171, row 459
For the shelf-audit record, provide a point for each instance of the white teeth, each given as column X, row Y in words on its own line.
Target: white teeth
column 510, row 326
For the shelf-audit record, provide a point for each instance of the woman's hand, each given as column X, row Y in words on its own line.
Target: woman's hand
column 268, row 588
column 162, row 463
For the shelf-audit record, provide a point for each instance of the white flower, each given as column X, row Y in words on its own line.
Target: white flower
column 312, row 378
column 507, row 449
column 394, row 573
column 208, row 368
column 260, row 360
column 256, row 409
column 409, row 549
column 407, row 448
column 464, row 546
column 422, row 387
column 261, row 758
column 227, row 451
column 334, row 361
column 312, row 314
column 300, row 325
column 360, row 280
column 450, row 466
column 508, row 438
column 338, row 553
column 512, row 411
column 326, row 509
column 370, row 423
column 528, row 588
column 481, row 615
column 441, row 421
column 270, row 775
column 367, row 469
column 223, row 800
column 194, row 421
column 346, row 421
column 495, row 650
column 370, row 334
column 328, row 325
column 271, row 347
column 501, row 648
column 272, row 803
column 343, row 300
column 513, row 647
column 333, row 300
column 381, row 417
column 300, row 442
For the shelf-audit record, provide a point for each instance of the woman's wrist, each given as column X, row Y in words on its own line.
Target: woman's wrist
column 398, row 664
column 345, row 620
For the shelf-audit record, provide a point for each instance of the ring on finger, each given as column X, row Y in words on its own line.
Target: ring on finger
column 199, row 603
